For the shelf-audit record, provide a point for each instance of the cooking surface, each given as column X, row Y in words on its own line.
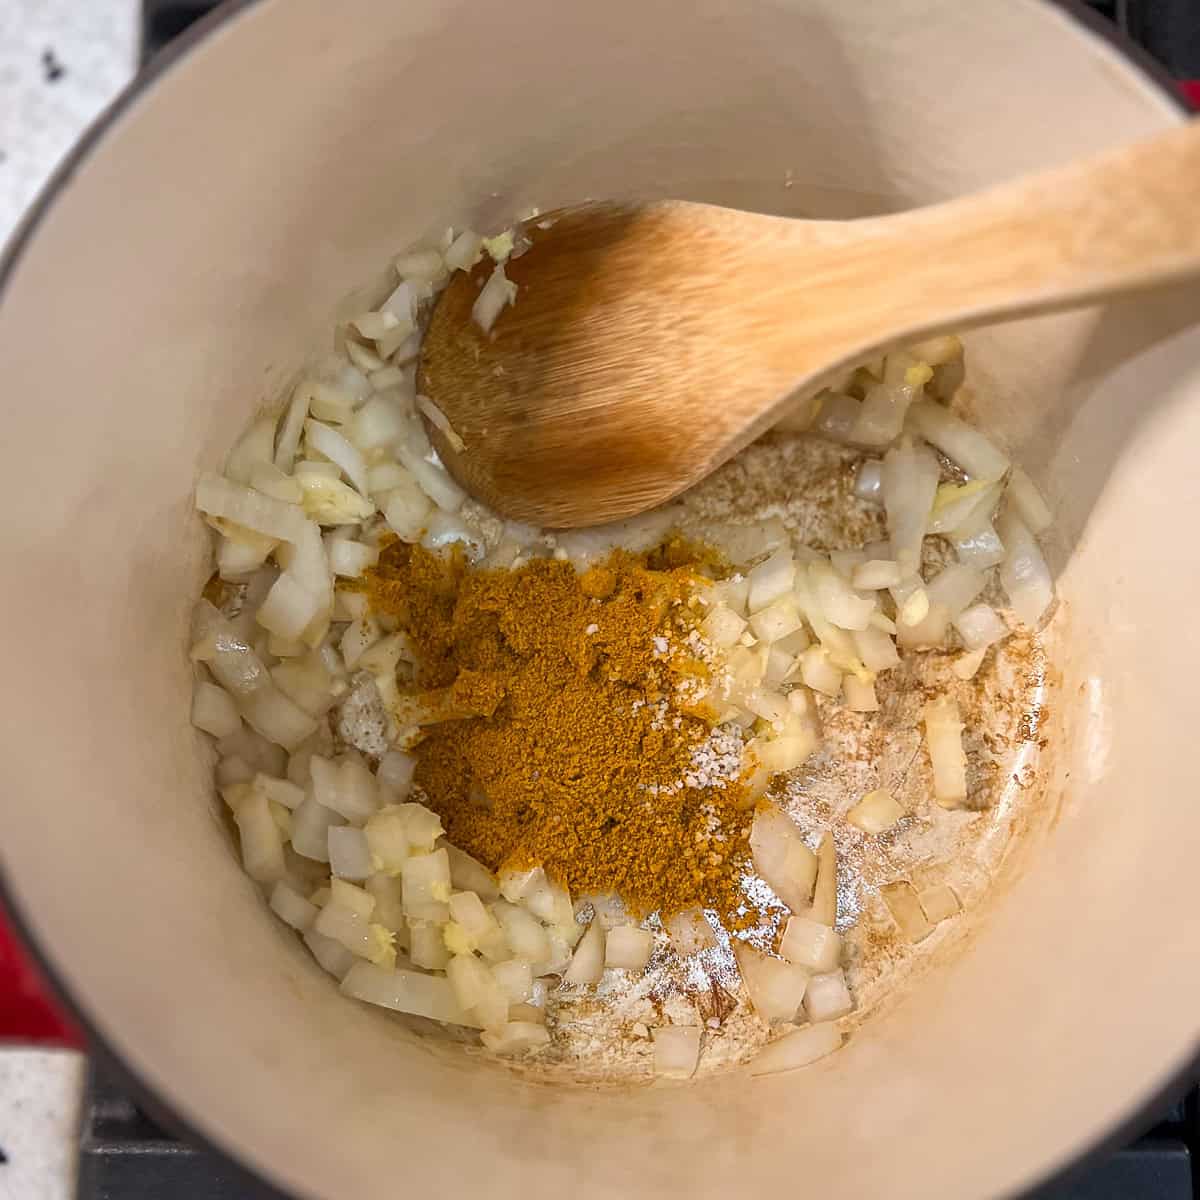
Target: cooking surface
column 125, row 1156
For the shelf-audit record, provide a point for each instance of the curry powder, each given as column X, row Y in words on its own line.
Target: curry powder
column 580, row 763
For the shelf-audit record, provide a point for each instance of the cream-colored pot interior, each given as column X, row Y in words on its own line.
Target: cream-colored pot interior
column 190, row 264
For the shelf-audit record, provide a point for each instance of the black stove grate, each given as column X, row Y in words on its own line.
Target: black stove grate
column 124, row 1155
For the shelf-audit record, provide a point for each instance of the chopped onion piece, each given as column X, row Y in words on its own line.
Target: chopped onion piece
column 310, row 830
column 781, row 857
column 333, row 956
column 277, row 718
column 514, row 979
column 881, row 417
column 289, row 608
column 722, row 627
column 938, row 903
column 465, row 251
column 859, row 696
column 902, row 903
column 978, row 545
column 426, row 880
column 797, row 1049
column 587, row 965
column 434, row 482
column 958, row 441
column 875, row 574
column 868, row 481
column 351, row 559
column 628, row 947
column 271, row 481
column 877, row 650
column 839, row 602
column 526, row 936
column 380, row 422
column 819, row 673
column 962, row 504
column 427, row 948
column 827, row 997
column 338, row 450
column 980, row 626
column 439, row 420
column 1029, row 503
column 676, row 1050
column 329, row 501
column 837, row 416
column 279, row 791
column 876, row 812
column 425, row 265
column 823, row 909
column 213, row 710
column 910, row 479
column 406, row 991
column 495, row 294
column 776, row 987
column 407, row 508
column 515, row 1037
column 943, row 735
column 771, row 579
column 1023, row 573
column 291, row 907
column 349, row 855
column 220, row 497
column 954, row 587
column 807, row 943
column 292, row 427
column 261, row 841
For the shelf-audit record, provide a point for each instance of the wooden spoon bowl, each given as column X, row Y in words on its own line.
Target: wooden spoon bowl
column 648, row 343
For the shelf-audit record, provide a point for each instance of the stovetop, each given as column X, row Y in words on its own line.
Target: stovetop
column 124, row 1155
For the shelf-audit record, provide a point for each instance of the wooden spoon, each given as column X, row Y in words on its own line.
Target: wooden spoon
column 650, row 342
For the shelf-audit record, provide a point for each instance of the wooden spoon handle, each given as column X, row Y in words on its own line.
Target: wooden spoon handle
column 1127, row 219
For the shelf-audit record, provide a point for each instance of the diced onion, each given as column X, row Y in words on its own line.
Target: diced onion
column 439, row 420
column 876, row 812
column 587, row 964
column 877, row 650
column 524, row 931
column 810, row 944
column 776, row 987
column 495, row 294
column 958, row 441
column 435, row 482
column 628, row 947
column 221, row 497
column 338, row 450
column 910, row 479
column 516, row 1037
column 943, row 736
column 823, row 909
column 676, row 1050
column 868, row 481
column 255, row 447
column 771, row 579
column 797, row 1049
column 261, row 842
column 350, row 559
column 310, row 830
column 781, row 856
column 1023, row 573
column 841, row 605
column 427, row 948
column 464, row 252
column 291, row 907
column 957, row 505
column 406, row 991
column 827, row 997
column 514, row 979
column 902, row 903
column 406, row 508
column 349, row 855
column 819, row 673
column 395, row 776
column 876, row 573
column 333, row 956
column 980, row 626
column 426, row 886
column 938, row 903
column 213, row 710
column 1029, row 503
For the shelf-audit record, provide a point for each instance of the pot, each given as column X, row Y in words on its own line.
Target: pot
column 189, row 258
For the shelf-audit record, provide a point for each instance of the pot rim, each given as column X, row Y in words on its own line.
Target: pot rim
column 1076, row 1162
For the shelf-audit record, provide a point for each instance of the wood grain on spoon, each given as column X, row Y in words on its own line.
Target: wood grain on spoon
column 650, row 342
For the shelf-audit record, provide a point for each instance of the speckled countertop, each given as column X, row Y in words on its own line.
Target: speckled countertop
column 61, row 62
